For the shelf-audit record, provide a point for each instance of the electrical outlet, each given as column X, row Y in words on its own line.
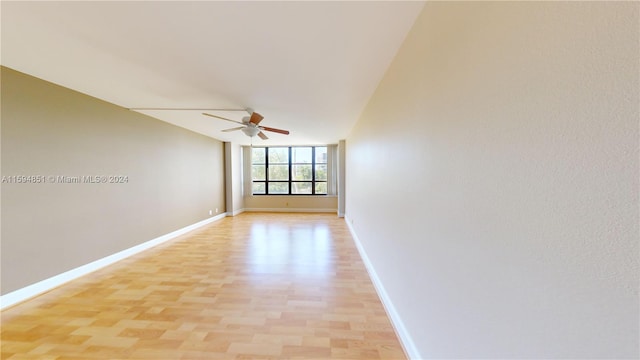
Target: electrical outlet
column 216, row 210
column 210, row 212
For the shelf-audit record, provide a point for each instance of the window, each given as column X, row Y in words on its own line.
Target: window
column 289, row 170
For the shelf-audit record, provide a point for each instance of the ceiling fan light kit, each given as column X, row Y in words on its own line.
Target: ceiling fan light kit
column 250, row 131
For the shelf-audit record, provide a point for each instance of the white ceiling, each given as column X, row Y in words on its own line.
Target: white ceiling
column 309, row 67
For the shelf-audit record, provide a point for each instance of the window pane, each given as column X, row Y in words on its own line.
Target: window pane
column 278, row 188
column 321, row 154
column 258, row 172
column 301, row 155
column 258, row 188
column 301, row 172
column 321, row 172
column 278, row 172
column 278, row 155
column 257, row 155
column 301, row 188
column 286, row 170
column 321, row 188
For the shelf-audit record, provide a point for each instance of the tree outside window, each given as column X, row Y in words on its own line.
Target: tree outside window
column 292, row 170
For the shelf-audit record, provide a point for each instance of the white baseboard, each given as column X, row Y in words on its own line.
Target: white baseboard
column 405, row 338
column 236, row 212
column 290, row 210
column 43, row 286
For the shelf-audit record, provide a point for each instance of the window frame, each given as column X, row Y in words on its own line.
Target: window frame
column 290, row 165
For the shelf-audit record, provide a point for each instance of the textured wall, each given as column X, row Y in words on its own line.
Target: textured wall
column 493, row 180
column 174, row 178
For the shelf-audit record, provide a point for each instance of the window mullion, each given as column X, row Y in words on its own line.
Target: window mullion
column 290, row 170
column 313, row 170
column 266, row 169
column 302, row 183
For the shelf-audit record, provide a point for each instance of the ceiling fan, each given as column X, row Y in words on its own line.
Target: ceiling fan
column 250, row 125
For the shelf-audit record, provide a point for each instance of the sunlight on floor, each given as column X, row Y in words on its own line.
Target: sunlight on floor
column 303, row 249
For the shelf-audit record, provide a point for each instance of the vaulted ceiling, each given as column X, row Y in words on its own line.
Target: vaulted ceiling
column 309, row 67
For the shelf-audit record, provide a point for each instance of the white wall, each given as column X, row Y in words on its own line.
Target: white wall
column 493, row 180
column 236, row 169
column 342, row 176
column 233, row 179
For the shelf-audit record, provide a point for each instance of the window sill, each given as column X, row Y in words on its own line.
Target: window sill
column 300, row 195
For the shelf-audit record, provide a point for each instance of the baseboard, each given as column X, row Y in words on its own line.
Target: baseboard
column 405, row 338
column 290, row 210
column 235, row 212
column 43, row 286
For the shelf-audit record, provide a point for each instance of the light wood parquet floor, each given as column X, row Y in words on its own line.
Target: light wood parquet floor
column 254, row 286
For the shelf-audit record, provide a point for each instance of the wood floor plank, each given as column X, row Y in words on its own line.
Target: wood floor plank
column 254, row 286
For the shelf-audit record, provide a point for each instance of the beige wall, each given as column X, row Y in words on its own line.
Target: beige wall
column 174, row 178
column 493, row 180
column 295, row 203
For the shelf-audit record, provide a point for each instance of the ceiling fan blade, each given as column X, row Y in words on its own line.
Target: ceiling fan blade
column 262, row 135
column 256, row 118
column 222, row 118
column 233, row 129
column 280, row 131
